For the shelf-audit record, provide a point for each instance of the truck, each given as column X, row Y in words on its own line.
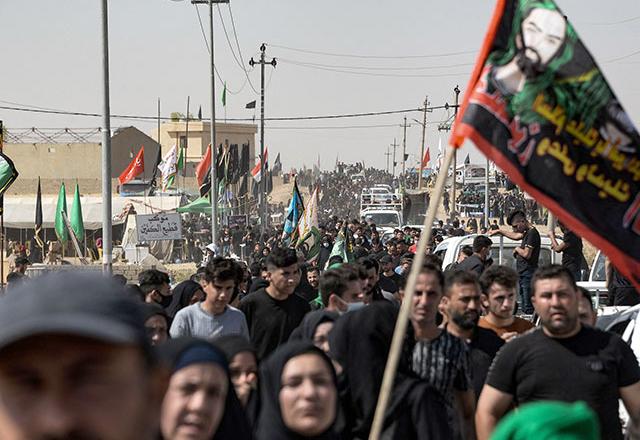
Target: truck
column 381, row 206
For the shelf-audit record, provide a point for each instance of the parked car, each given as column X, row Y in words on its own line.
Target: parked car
column 597, row 282
column 501, row 251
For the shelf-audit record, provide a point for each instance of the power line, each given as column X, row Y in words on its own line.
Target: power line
column 341, row 127
column 612, row 23
column 235, row 36
column 397, row 57
column 206, row 42
column 448, row 66
column 392, row 75
column 623, row 57
column 164, row 118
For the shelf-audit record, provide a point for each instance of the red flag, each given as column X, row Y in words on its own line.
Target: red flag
column 425, row 159
column 256, row 171
column 135, row 168
column 204, row 167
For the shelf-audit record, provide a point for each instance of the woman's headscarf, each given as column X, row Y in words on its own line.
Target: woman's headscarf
column 307, row 328
column 360, row 343
column 270, row 424
column 233, row 344
column 181, row 297
column 182, row 352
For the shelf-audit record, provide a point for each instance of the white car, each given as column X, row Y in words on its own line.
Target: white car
column 501, row 251
column 597, row 282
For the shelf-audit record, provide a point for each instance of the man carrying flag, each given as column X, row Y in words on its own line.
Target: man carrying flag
column 540, row 108
column 135, row 168
column 294, row 212
column 309, row 229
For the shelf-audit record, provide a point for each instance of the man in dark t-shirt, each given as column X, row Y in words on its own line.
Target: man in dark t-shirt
column 571, row 249
column 273, row 312
column 564, row 361
column 527, row 254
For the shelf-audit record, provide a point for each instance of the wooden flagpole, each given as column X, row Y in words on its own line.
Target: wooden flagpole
column 405, row 309
column 1, row 216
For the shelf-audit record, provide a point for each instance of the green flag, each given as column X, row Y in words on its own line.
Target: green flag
column 61, row 229
column 8, row 173
column 224, row 95
column 179, row 167
column 77, row 224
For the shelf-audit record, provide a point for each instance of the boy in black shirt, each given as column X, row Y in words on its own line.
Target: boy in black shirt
column 274, row 312
column 563, row 360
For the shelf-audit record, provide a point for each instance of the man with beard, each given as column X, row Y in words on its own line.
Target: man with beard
column 461, row 306
column 562, row 360
column 439, row 357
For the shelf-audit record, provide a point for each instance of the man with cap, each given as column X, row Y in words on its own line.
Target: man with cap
column 527, row 254
column 389, row 279
column 75, row 363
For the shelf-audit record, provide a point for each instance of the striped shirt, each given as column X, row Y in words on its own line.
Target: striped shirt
column 443, row 363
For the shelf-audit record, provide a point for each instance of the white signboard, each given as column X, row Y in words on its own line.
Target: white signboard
column 164, row 226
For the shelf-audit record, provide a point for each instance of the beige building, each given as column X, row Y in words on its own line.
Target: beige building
column 174, row 133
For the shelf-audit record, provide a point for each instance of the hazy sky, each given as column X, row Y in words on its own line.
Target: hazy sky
column 404, row 50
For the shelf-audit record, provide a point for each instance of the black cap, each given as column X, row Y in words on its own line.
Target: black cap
column 386, row 259
column 89, row 306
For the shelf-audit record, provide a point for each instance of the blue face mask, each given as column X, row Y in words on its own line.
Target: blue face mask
column 352, row 307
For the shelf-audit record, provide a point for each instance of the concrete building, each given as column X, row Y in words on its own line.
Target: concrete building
column 199, row 137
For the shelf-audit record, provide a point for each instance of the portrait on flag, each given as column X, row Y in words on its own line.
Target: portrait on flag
column 539, row 107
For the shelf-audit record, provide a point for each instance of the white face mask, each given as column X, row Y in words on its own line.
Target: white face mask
column 352, row 307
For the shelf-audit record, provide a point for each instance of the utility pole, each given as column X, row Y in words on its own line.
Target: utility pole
column 404, row 152
column 107, row 257
column 387, row 154
column 424, row 129
column 394, row 145
column 214, row 150
column 263, row 170
column 456, row 90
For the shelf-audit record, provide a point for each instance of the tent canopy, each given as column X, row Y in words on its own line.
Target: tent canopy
column 200, row 205
column 20, row 211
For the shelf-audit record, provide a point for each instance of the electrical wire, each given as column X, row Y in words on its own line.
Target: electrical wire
column 623, row 57
column 235, row 36
column 388, row 75
column 344, row 127
column 397, row 57
column 164, row 118
column 449, row 66
column 612, row 23
column 206, row 42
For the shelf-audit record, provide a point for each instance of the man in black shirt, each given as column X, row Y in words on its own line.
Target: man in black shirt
column 274, row 312
column 563, row 360
column 461, row 306
column 477, row 262
column 527, row 254
column 389, row 279
column 571, row 249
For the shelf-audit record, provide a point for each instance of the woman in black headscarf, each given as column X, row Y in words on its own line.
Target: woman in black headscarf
column 360, row 343
column 184, row 294
column 315, row 328
column 243, row 364
column 200, row 402
column 298, row 394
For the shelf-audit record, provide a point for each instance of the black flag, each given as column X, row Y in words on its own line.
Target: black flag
column 38, row 223
column 467, row 160
column 200, row 113
column 251, row 104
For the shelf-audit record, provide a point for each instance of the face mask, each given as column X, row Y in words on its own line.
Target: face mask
column 352, row 307
column 165, row 301
column 325, row 245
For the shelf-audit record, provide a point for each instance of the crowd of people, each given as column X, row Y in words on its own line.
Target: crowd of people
column 275, row 347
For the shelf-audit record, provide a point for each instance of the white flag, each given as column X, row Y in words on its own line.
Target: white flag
column 168, row 166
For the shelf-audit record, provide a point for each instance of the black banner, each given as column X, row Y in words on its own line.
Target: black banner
column 539, row 107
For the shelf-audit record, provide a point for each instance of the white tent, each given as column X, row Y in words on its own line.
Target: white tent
column 20, row 211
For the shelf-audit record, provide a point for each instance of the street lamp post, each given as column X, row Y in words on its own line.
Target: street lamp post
column 214, row 150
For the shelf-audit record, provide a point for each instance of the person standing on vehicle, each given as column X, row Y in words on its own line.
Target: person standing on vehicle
column 571, row 249
column 527, row 254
